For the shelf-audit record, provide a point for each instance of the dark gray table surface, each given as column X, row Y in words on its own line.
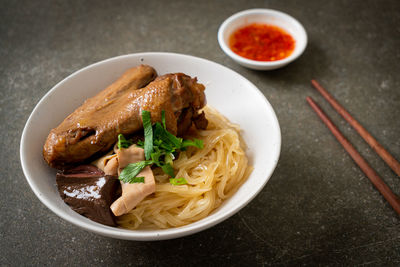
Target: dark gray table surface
column 317, row 208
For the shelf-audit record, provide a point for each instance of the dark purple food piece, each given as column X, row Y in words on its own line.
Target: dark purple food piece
column 83, row 171
column 89, row 194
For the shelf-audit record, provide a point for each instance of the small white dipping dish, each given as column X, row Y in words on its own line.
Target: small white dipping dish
column 264, row 16
column 227, row 91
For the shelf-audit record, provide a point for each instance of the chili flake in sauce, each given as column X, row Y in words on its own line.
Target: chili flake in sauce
column 262, row 42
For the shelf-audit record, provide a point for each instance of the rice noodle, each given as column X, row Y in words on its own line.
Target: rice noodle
column 213, row 174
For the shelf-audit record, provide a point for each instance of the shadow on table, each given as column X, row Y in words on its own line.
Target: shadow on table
column 312, row 64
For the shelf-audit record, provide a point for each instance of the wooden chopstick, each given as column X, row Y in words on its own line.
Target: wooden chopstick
column 382, row 152
column 364, row 166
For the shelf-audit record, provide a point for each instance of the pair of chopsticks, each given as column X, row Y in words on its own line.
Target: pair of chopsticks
column 361, row 162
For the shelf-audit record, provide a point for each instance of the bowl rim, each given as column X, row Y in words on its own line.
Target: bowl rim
column 144, row 235
column 269, row 12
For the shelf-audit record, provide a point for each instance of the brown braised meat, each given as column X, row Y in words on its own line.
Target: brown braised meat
column 72, row 140
column 89, row 192
column 94, row 127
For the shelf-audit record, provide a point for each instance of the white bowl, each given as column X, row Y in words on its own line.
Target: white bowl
column 264, row 16
column 230, row 93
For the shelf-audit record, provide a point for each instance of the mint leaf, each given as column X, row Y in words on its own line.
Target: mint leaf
column 178, row 181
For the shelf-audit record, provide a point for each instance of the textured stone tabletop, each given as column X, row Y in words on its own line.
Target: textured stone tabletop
column 317, row 209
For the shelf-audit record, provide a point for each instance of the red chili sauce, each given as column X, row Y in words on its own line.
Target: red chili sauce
column 262, row 42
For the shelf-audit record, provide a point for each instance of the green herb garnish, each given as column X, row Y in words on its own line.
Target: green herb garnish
column 148, row 134
column 196, row 142
column 128, row 174
column 160, row 147
column 122, row 142
column 163, row 119
column 167, row 168
column 137, row 180
column 178, row 181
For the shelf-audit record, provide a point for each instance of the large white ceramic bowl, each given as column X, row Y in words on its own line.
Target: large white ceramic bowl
column 234, row 96
column 263, row 16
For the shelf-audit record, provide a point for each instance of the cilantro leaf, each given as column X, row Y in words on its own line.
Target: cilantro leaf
column 166, row 137
column 167, row 168
column 137, row 180
column 160, row 148
column 196, row 143
column 169, row 158
column 122, row 142
column 163, row 119
column 178, row 181
column 148, row 134
column 140, row 143
column 155, row 157
column 129, row 173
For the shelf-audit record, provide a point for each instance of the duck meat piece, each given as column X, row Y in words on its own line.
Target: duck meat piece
column 72, row 137
column 89, row 194
column 94, row 127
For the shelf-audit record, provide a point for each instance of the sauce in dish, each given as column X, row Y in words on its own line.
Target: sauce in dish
column 262, row 42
